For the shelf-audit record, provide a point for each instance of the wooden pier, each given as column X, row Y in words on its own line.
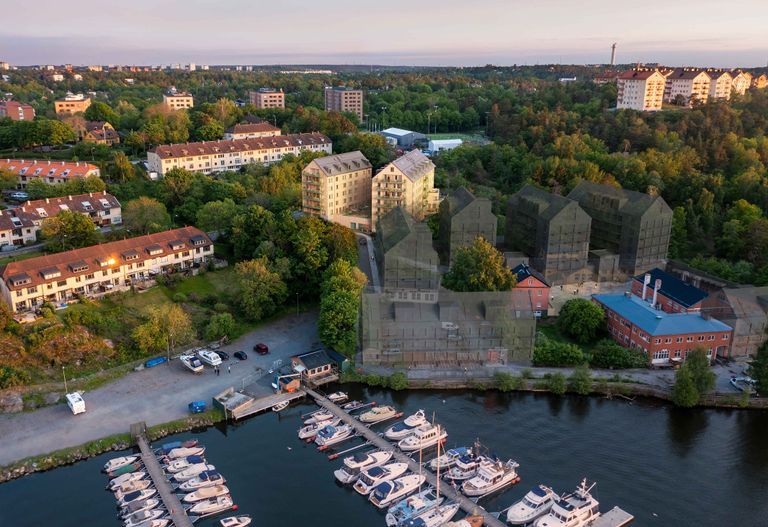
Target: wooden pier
column 239, row 405
column 615, row 517
column 375, row 439
column 172, row 504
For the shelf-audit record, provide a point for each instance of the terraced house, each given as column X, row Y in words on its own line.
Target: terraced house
column 218, row 156
column 51, row 172
column 99, row 269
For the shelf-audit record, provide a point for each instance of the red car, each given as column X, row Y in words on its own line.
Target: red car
column 261, row 348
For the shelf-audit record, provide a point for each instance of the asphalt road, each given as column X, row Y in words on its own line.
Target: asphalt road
column 156, row 395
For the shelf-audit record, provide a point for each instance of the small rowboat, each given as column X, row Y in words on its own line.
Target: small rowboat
column 281, row 406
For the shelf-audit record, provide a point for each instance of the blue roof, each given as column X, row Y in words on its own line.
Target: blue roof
column 672, row 287
column 656, row 322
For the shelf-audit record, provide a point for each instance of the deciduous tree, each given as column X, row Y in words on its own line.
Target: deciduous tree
column 479, row 267
column 262, row 291
column 581, row 319
column 69, row 230
column 145, row 215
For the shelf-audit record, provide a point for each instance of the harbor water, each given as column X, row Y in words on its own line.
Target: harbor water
column 668, row 467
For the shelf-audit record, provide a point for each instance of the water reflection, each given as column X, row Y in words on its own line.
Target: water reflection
column 684, row 426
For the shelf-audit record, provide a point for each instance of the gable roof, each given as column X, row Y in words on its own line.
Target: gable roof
column 46, row 168
column 459, row 199
column 656, row 322
column 637, row 74
column 523, row 271
column 547, row 204
column 342, row 163
column 240, row 145
column 394, row 226
column 315, row 359
column 686, row 74
column 414, row 165
column 252, row 128
column 628, row 201
column 673, row 288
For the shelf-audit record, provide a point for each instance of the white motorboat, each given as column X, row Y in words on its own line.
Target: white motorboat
column 177, row 453
column 412, row 506
column 378, row 414
column 353, row 405
column 137, row 518
column 139, row 495
column 434, row 517
column 330, row 435
column 211, row 506
column 492, row 475
column 448, row 459
column 136, row 506
column 373, row 476
column 468, row 521
column 118, row 463
column 208, row 478
column 133, row 486
column 402, row 429
column 192, row 472
column 425, row 436
column 191, row 362
column 355, row 464
column 279, row 407
column 389, row 492
column 573, row 510
column 179, row 465
column 162, row 522
column 465, row 468
column 338, row 397
column 206, row 493
column 123, row 479
column 235, row 521
column 319, row 417
column 537, row 502
column 209, row 357
column 310, row 431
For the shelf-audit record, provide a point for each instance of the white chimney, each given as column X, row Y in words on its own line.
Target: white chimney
column 657, row 286
column 646, row 281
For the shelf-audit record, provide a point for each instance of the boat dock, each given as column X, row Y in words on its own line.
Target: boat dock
column 375, row 439
column 172, row 504
column 615, row 517
column 238, row 405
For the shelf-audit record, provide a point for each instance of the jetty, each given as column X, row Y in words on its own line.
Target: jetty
column 239, row 405
column 171, row 502
column 615, row 517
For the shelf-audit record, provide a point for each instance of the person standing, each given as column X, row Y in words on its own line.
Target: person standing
column 229, row 368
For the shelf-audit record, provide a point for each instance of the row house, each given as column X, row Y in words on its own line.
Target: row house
column 93, row 271
column 51, row 172
column 251, row 130
column 665, row 338
column 218, row 156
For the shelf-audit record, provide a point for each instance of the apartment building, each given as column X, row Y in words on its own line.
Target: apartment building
column 267, row 98
column 16, row 111
column 686, row 86
column 632, row 225
column 464, row 218
column 51, row 172
column 100, row 132
column 344, row 99
column 338, row 189
column 72, row 104
column 408, row 182
column 178, row 100
column 721, row 85
column 251, row 130
column 218, row 156
column 93, row 271
column 741, row 81
column 759, row 81
column 641, row 90
column 553, row 231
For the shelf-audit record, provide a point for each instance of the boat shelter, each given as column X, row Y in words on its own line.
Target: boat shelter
column 319, row 366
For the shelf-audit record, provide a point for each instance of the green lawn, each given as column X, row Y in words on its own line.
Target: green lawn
column 467, row 138
column 549, row 329
column 18, row 257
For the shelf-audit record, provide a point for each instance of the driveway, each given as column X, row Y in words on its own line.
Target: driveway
column 366, row 260
column 156, row 395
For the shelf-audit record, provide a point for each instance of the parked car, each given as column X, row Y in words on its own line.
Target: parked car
column 223, row 355
column 240, row 355
column 261, row 348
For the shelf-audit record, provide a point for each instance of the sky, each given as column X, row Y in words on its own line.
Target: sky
column 392, row 32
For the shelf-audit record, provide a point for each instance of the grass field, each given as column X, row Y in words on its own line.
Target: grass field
column 478, row 138
column 18, row 257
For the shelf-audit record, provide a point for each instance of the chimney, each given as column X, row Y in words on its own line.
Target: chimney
column 646, row 281
column 657, row 286
column 47, row 200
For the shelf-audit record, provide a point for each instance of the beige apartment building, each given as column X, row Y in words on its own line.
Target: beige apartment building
column 51, row 172
column 689, row 85
column 338, row 188
column 178, row 100
column 407, row 182
column 759, row 81
column 267, row 98
column 721, row 85
column 251, row 130
column 741, row 81
column 71, row 104
column 641, row 90
column 344, row 99
column 93, row 271
column 218, row 156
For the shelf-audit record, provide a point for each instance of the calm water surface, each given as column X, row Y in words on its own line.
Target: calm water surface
column 667, row 467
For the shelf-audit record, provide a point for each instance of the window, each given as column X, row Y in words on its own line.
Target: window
column 700, row 338
column 689, row 339
column 725, row 337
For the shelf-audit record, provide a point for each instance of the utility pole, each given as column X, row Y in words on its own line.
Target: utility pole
column 66, row 390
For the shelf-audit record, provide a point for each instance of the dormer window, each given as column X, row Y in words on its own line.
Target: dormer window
column 131, row 255
column 87, row 206
column 20, row 280
column 197, row 240
column 50, row 273
column 154, row 250
column 41, row 212
column 105, row 203
column 63, row 207
column 78, row 267
column 176, row 245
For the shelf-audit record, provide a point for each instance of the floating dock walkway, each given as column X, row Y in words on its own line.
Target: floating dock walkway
column 172, row 504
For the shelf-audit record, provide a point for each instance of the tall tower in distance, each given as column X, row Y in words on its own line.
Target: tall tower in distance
column 613, row 54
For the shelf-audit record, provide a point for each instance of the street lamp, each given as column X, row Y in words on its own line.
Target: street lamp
column 297, row 304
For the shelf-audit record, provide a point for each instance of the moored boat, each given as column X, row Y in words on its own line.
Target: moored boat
column 310, row 431
column 119, row 462
column 537, row 502
column 338, row 397
column 167, row 447
column 207, row 478
column 448, row 459
column 578, row 509
column 162, row 522
column 412, row 506
column 192, row 363
column 136, row 506
column 192, row 472
column 211, row 506
column 402, row 429
column 126, row 469
column 425, row 436
column 434, row 517
column 464, row 468
column 319, row 417
column 389, row 492
column 122, row 479
column 177, row 465
column 235, row 521
column 330, row 435
column 355, row 464
column 138, row 495
column 137, row 518
column 206, row 493
column 378, row 414
column 468, row 521
column 354, row 405
column 279, row 407
column 133, row 486
column 492, row 475
column 372, row 477
column 181, row 452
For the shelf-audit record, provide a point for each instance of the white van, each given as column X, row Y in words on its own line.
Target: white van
column 76, row 403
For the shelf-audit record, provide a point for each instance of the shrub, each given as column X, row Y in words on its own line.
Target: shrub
column 580, row 381
column 398, row 381
column 220, row 307
column 10, row 377
column 220, row 325
column 527, row 373
column 556, row 383
column 179, row 298
column 376, row 380
column 608, row 354
column 552, row 353
column 684, row 392
column 506, row 382
column 581, row 319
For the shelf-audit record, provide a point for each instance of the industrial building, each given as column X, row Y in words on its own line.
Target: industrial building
column 402, row 138
column 463, row 218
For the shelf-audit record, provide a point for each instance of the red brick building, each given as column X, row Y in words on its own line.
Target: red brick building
column 664, row 337
column 16, row 111
column 667, row 292
column 532, row 281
